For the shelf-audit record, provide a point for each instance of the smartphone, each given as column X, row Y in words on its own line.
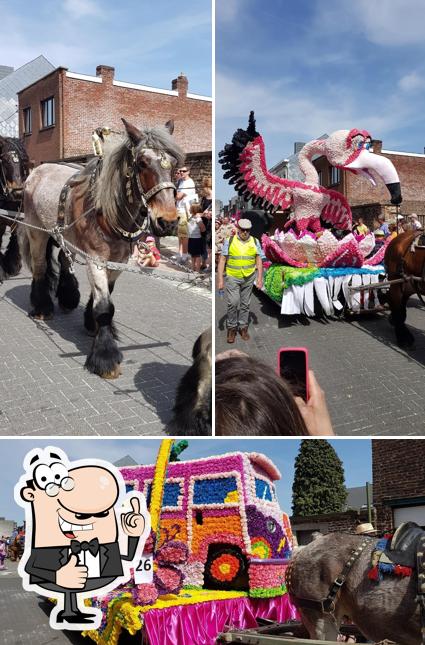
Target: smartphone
column 292, row 365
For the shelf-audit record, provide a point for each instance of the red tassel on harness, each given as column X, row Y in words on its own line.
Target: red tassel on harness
column 373, row 574
column 402, row 571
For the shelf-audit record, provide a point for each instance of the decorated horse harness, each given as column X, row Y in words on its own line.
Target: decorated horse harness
column 406, row 552
column 134, row 192
column 327, row 605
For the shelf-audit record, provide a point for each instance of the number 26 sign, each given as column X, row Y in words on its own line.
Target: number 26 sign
column 143, row 573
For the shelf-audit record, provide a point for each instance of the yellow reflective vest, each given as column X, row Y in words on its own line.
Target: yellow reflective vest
column 241, row 257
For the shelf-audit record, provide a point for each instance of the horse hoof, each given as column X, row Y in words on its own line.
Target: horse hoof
column 113, row 374
column 36, row 316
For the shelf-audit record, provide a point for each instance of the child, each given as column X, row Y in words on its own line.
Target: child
column 147, row 257
column 195, row 228
column 2, row 553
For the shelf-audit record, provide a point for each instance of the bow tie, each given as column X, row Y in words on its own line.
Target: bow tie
column 92, row 546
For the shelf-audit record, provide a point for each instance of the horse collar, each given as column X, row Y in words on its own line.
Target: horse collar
column 327, row 605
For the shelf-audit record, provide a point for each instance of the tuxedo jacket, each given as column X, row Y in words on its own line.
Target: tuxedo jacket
column 45, row 561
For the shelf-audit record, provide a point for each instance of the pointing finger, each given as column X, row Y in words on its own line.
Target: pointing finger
column 135, row 504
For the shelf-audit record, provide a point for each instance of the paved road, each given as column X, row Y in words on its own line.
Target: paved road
column 24, row 617
column 44, row 389
column 372, row 387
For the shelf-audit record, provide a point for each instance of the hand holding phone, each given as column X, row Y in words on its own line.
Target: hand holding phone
column 315, row 413
column 292, row 366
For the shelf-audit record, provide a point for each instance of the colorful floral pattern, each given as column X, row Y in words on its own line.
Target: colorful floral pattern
column 225, row 567
column 228, row 500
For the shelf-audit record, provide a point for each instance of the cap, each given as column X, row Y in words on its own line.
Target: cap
column 150, row 239
column 379, row 233
column 244, row 224
column 400, row 216
column 362, row 529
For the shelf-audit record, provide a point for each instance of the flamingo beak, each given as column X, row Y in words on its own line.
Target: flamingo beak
column 383, row 167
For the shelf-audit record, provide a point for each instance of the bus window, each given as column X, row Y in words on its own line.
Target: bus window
column 171, row 497
column 263, row 490
column 171, row 494
column 216, row 491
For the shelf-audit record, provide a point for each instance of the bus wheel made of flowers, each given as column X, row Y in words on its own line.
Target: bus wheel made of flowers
column 226, row 568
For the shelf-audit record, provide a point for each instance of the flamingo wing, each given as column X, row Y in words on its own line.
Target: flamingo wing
column 337, row 210
column 245, row 166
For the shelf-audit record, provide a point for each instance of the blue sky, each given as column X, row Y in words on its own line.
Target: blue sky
column 147, row 42
column 308, row 67
column 354, row 453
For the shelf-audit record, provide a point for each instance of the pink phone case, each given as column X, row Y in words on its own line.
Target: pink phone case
column 304, row 350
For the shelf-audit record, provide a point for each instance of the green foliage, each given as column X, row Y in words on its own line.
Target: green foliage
column 319, row 483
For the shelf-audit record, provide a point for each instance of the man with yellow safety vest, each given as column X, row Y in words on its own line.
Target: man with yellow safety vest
column 241, row 259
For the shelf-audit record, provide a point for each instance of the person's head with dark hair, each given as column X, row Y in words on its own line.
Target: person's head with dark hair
column 251, row 399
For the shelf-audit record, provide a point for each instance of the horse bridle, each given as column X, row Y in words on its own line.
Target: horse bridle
column 326, row 605
column 141, row 195
column 3, row 178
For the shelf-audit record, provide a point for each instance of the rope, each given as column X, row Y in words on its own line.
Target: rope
column 57, row 233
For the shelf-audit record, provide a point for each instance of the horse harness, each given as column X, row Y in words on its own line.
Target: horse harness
column 134, row 189
column 407, row 278
column 16, row 159
column 327, row 605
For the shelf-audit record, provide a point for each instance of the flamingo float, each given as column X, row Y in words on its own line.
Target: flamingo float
column 308, row 244
column 245, row 166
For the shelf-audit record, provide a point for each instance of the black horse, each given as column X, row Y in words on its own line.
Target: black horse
column 14, row 169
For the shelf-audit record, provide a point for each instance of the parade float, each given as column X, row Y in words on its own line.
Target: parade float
column 219, row 546
column 316, row 263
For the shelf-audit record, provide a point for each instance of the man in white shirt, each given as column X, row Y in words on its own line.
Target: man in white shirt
column 186, row 189
column 186, row 194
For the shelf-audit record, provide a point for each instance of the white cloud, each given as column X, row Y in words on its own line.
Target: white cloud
column 383, row 22
column 81, row 8
column 411, row 82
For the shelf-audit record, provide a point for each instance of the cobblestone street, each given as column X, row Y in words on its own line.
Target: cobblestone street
column 372, row 387
column 44, row 389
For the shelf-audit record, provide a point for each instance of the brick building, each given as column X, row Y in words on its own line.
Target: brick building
column 370, row 201
column 346, row 521
column 59, row 112
column 398, row 481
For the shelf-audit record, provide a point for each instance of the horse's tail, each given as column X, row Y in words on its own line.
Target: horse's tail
column 52, row 266
column 24, row 245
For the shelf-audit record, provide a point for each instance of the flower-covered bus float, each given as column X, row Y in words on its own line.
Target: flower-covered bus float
column 217, row 554
column 225, row 510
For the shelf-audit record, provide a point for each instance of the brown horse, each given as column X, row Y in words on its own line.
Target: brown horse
column 387, row 610
column 104, row 208
column 14, row 169
column 400, row 261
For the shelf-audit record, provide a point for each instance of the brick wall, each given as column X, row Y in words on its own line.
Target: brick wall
column 42, row 144
column 329, row 522
column 360, row 192
column 83, row 105
column 398, row 473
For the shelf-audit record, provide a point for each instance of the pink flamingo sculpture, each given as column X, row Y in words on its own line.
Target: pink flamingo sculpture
column 245, row 166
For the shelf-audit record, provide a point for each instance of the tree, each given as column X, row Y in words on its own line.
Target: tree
column 319, row 483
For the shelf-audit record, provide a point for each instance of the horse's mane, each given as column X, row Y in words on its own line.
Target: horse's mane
column 109, row 190
column 18, row 145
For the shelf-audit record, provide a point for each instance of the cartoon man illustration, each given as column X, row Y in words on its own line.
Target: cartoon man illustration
column 72, row 546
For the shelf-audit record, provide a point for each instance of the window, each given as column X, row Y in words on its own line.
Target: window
column 171, row 497
column 27, row 120
column 48, row 112
column 320, row 175
column 222, row 490
column 263, row 490
column 335, row 175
